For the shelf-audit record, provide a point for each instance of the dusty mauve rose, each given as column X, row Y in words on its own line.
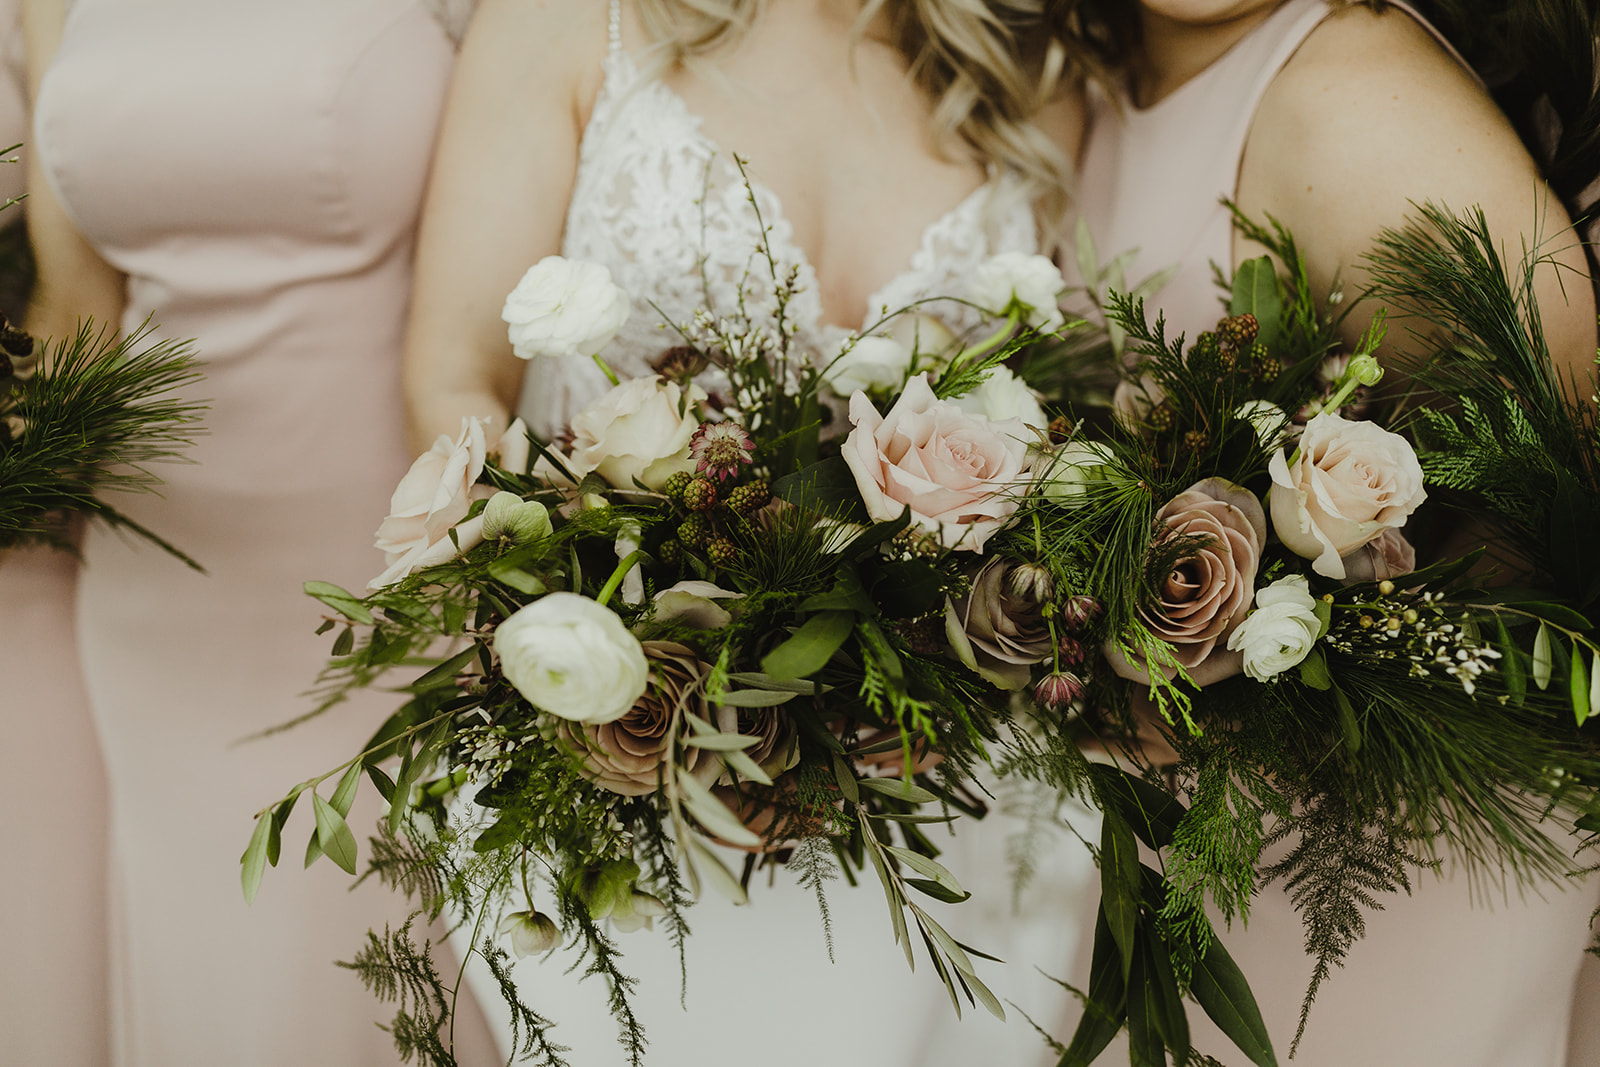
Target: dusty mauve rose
column 434, row 496
column 779, row 746
column 1389, row 555
column 1349, row 482
column 996, row 630
column 1209, row 592
column 639, row 430
column 625, row 755
column 960, row 474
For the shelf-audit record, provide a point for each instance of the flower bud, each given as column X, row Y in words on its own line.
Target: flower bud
column 1032, row 580
column 1080, row 611
column 1057, row 690
column 1071, row 650
column 508, row 517
column 1365, row 369
column 640, row 910
column 531, row 932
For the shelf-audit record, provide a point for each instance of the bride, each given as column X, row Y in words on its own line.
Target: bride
column 890, row 146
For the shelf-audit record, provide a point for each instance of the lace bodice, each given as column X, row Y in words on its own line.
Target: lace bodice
column 667, row 211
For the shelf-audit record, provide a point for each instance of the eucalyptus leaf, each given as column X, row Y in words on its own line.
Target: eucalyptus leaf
column 757, row 680
column 1349, row 725
column 746, row 768
column 755, row 698
column 848, row 783
column 947, row 944
column 1541, row 657
column 444, row 675
column 344, row 794
column 1578, row 683
column 896, row 903
column 1144, row 1040
column 715, row 872
column 333, row 834
column 1106, row 1006
column 723, row 742
column 253, row 863
column 938, row 892
column 984, row 995
column 1119, row 886
column 1255, row 291
column 926, row 867
column 907, row 817
column 1559, row 614
column 1511, row 669
column 1314, row 671
column 898, row 788
column 1170, row 1019
column 339, row 600
column 712, row 814
column 381, row 781
column 344, row 642
column 1219, row 987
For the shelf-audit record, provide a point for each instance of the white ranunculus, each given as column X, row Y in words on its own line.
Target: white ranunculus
column 1031, row 281
column 870, row 363
column 1076, row 465
column 430, row 501
column 639, row 430
column 1267, row 419
column 694, row 603
column 1350, row 482
column 1280, row 632
column 572, row 658
column 1004, row 396
column 564, row 307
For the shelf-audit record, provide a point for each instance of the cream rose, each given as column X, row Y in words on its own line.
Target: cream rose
column 1349, row 482
column 869, row 363
column 960, row 474
column 639, row 430
column 572, row 658
column 1280, row 632
column 564, row 307
column 1004, row 396
column 1031, row 282
column 1209, row 591
column 432, row 498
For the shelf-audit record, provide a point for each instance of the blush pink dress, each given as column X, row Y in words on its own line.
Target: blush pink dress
column 52, row 918
column 256, row 170
column 1446, row 975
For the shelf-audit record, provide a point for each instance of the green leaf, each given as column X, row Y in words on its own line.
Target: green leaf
column 1348, row 723
column 344, row 642
column 1144, row 1040
column 327, row 624
column 253, row 863
column 846, row 595
column 926, row 867
column 504, row 831
column 716, row 872
column 1594, row 683
column 443, row 676
column 1119, row 886
column 984, row 996
column 869, row 539
column 907, row 817
column 1219, row 987
column 344, row 794
column 723, row 742
column 713, row 814
column 898, row 788
column 846, row 779
column 1314, row 671
column 1578, row 682
column 1510, row 662
column 896, row 904
column 810, row 648
column 755, row 698
column 1255, row 290
column 827, row 487
column 938, row 892
column 1171, row 1021
column 339, row 600
column 333, row 834
column 381, row 781
column 1324, row 613
column 1541, row 657
column 506, row 573
column 1559, row 614
column 1153, row 813
column 1106, row 1007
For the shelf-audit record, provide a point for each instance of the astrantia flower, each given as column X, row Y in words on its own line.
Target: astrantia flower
column 718, row 448
column 1055, row 691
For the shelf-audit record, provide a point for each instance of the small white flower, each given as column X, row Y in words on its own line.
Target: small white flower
column 869, row 363
column 639, row 910
column 1077, row 465
column 1280, row 632
column 572, row 658
column 530, row 932
column 1031, row 282
column 1003, row 396
column 1268, row 419
column 564, row 307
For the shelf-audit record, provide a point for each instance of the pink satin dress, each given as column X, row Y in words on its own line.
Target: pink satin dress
column 53, row 996
column 256, row 170
column 1454, row 974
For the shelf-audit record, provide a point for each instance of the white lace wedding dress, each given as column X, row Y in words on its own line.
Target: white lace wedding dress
column 667, row 211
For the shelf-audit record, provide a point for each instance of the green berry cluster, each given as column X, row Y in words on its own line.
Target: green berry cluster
column 711, row 511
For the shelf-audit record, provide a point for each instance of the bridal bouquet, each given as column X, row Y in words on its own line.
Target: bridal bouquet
column 1267, row 664
column 756, row 603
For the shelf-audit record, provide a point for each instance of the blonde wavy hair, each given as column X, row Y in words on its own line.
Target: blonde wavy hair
column 988, row 66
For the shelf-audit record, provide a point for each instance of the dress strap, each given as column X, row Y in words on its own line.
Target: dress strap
column 614, row 27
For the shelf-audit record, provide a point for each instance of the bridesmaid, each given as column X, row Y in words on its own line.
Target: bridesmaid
column 53, row 996
column 248, row 176
column 1332, row 118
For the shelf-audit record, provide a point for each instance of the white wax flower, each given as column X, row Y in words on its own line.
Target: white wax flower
column 1267, row 419
column 1350, row 482
column 1280, row 632
column 564, row 307
column 1004, row 396
column 572, row 658
column 870, row 363
column 1031, row 281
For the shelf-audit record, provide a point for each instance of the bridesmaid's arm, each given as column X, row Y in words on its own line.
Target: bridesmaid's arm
column 73, row 282
column 497, row 199
column 1372, row 115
